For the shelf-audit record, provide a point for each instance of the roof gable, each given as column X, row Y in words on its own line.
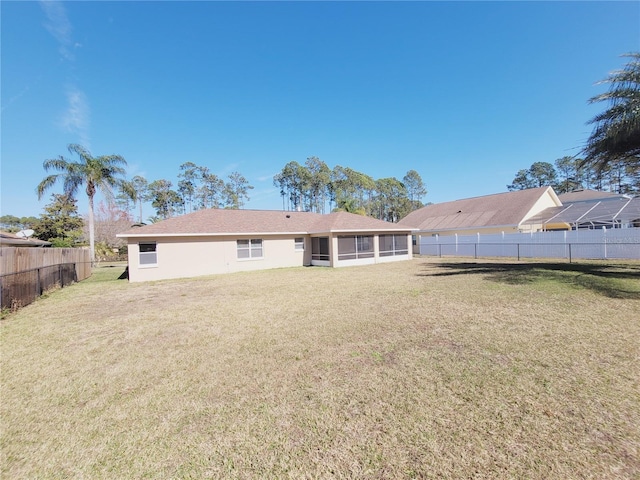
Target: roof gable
column 501, row 209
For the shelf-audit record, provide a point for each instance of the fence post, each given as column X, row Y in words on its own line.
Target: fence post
column 475, row 251
column 39, row 286
column 518, row 245
column 60, row 275
column 569, row 253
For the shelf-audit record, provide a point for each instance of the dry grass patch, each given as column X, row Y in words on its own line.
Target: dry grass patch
column 422, row 369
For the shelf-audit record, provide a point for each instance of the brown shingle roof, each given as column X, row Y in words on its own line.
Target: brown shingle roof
column 349, row 222
column 227, row 222
column 501, row 209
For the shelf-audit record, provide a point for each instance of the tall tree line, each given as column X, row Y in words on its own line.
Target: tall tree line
column 568, row 174
column 314, row 187
column 197, row 188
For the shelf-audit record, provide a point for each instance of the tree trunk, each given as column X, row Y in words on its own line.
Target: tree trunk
column 92, row 249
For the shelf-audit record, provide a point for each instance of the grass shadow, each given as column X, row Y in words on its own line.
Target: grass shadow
column 108, row 273
column 613, row 281
column 124, row 275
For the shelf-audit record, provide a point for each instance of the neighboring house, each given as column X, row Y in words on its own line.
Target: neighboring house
column 524, row 211
column 501, row 212
column 12, row 240
column 220, row 241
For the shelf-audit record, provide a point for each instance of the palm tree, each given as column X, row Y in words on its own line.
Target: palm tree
column 136, row 190
column 616, row 135
column 95, row 173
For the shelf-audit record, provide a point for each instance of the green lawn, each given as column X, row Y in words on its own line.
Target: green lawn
column 433, row 368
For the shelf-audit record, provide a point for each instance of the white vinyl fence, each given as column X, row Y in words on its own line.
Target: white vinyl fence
column 622, row 243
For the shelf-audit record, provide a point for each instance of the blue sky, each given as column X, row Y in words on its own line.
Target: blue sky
column 466, row 93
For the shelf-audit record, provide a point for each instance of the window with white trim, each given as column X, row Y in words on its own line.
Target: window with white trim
column 249, row 249
column 299, row 243
column 148, row 255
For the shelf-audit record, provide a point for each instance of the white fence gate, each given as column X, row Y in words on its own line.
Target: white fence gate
column 621, row 243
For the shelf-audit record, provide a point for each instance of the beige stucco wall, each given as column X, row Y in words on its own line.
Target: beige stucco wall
column 180, row 257
column 539, row 227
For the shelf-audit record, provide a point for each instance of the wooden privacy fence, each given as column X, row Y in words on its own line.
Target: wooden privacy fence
column 25, row 273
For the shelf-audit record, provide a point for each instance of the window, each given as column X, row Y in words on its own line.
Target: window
column 393, row 245
column 355, row 246
column 248, row 249
column 299, row 243
column 148, row 255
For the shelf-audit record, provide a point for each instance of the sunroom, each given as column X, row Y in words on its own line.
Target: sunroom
column 341, row 250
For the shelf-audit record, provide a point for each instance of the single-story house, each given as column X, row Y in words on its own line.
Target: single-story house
column 497, row 213
column 215, row 241
column 524, row 211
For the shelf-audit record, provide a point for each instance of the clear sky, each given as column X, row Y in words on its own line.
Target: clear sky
column 466, row 93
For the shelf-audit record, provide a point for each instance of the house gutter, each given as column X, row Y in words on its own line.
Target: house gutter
column 205, row 234
column 366, row 230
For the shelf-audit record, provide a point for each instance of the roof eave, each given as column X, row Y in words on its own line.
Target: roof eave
column 554, row 196
column 206, row 234
column 361, row 230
